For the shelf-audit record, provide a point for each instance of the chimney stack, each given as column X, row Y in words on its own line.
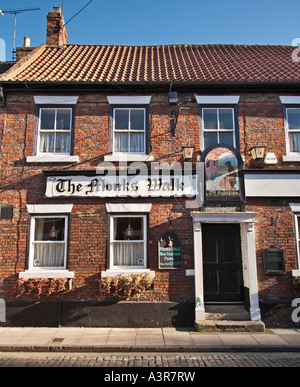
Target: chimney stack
column 56, row 31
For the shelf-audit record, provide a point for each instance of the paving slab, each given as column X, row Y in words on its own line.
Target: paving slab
column 145, row 339
column 270, row 340
column 238, row 339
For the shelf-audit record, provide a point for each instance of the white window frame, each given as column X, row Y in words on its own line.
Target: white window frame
column 295, row 207
column 33, row 242
column 47, row 211
column 112, row 266
column 53, row 102
column 288, row 131
column 54, row 131
column 297, row 218
column 129, row 130
column 138, row 101
column 127, row 210
column 288, row 102
column 218, row 130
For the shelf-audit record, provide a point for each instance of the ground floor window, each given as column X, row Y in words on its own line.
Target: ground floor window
column 295, row 207
column 297, row 221
column 48, row 247
column 128, row 240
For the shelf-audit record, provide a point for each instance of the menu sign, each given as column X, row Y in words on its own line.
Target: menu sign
column 169, row 252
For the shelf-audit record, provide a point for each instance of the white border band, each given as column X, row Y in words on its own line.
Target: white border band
column 58, row 100
column 128, row 207
column 129, row 100
column 285, row 100
column 49, row 208
column 217, row 99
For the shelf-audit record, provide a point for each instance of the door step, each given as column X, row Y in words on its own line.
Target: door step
column 229, row 326
column 228, row 318
column 226, row 312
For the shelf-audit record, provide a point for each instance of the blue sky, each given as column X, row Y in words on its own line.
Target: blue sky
column 155, row 22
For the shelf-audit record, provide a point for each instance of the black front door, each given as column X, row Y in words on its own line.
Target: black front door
column 222, row 263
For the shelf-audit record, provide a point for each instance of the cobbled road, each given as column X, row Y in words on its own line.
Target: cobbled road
column 29, row 359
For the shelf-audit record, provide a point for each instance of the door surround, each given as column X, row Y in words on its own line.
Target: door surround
column 246, row 222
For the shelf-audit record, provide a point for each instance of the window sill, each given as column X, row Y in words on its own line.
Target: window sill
column 52, row 159
column 120, row 272
column 46, row 274
column 128, row 157
column 292, row 158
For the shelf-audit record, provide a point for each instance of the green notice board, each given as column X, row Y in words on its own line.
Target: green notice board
column 169, row 252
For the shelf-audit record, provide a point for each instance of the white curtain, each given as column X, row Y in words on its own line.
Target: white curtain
column 59, row 143
column 121, row 142
column 47, row 143
column 49, row 254
column 295, row 142
column 136, row 142
column 128, row 253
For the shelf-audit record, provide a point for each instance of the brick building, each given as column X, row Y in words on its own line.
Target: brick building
column 95, row 184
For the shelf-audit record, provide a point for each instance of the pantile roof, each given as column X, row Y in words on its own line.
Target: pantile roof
column 157, row 64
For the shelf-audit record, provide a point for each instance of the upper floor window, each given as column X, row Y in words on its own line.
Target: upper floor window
column 293, row 129
column 55, row 130
column 129, row 128
column 218, row 126
column 218, row 120
column 129, row 125
column 291, row 112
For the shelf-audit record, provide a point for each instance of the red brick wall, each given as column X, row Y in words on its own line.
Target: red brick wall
column 274, row 226
column 260, row 121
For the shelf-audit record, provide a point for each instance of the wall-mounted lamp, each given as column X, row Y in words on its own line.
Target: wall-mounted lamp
column 187, row 152
column 258, row 152
column 173, row 97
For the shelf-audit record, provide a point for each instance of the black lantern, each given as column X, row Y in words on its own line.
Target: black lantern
column 187, row 152
column 258, row 152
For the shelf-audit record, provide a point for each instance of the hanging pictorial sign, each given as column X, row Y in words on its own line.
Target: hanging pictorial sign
column 222, row 174
column 169, row 252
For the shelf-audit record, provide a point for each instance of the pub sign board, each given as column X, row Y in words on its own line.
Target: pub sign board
column 222, row 166
column 169, row 252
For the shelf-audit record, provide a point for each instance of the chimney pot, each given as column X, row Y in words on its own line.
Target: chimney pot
column 26, row 42
column 57, row 10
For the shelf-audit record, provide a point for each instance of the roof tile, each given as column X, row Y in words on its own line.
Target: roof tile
column 170, row 63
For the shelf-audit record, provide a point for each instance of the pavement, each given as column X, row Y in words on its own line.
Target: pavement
column 70, row 339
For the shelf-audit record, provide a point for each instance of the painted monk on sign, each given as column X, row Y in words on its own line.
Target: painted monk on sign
column 229, row 179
